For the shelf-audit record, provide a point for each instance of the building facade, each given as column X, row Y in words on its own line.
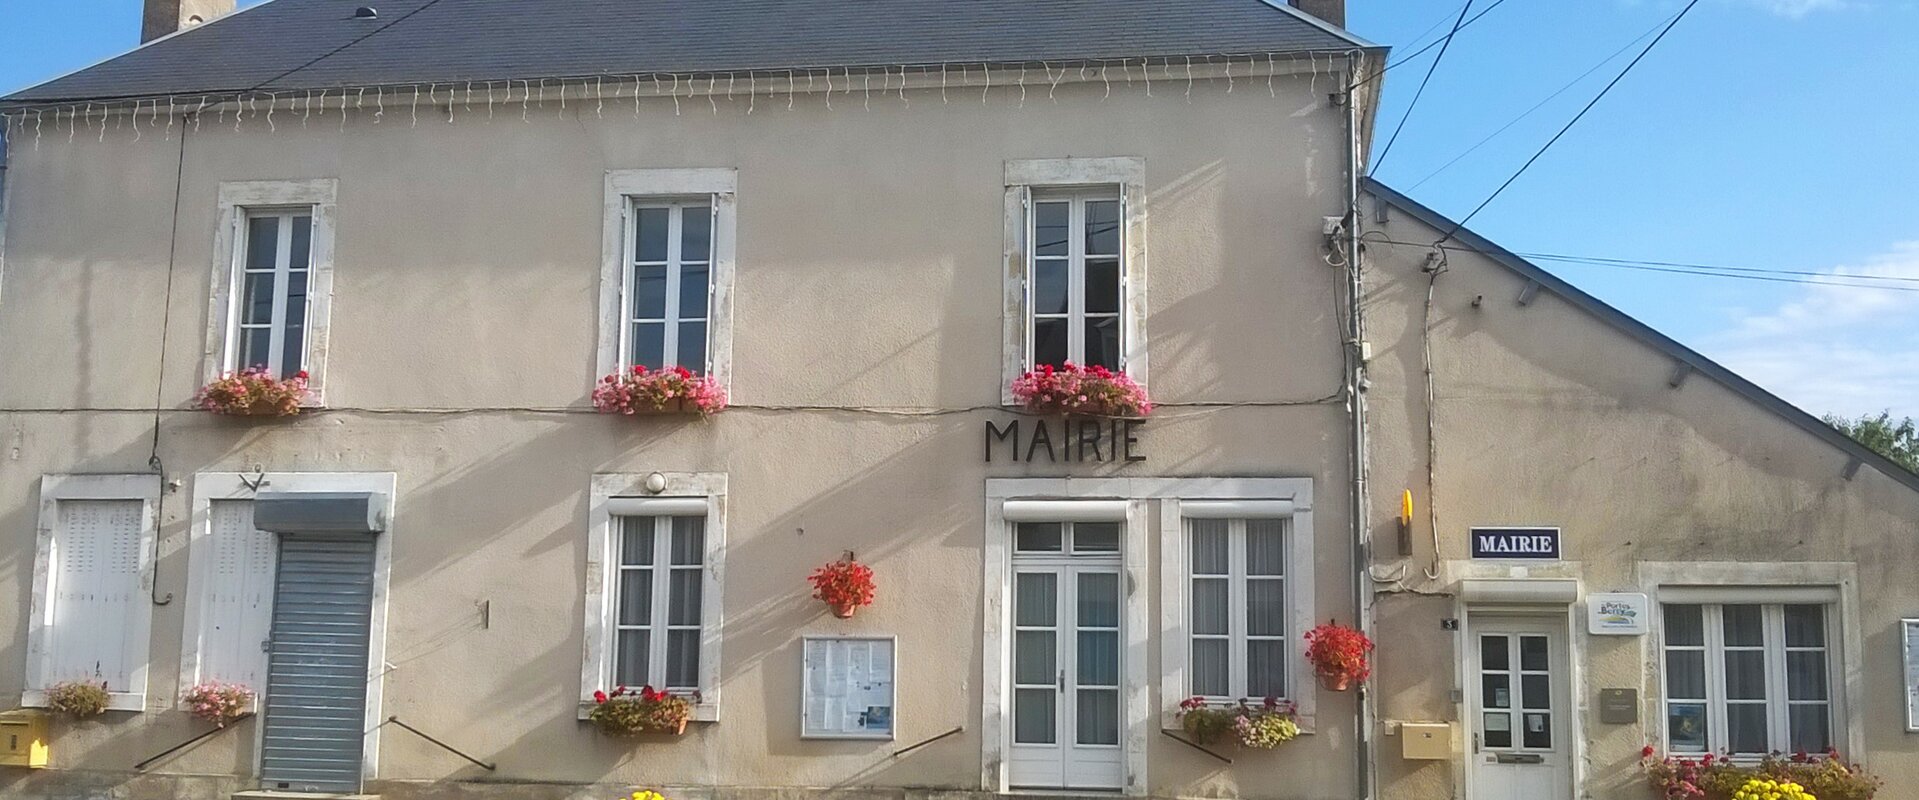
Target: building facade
column 863, row 222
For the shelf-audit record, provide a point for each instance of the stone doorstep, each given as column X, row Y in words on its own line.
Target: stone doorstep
column 281, row 795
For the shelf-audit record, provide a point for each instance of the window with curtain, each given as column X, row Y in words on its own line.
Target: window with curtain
column 1076, row 286
column 658, row 596
column 1238, row 636
column 1749, row 679
column 669, row 286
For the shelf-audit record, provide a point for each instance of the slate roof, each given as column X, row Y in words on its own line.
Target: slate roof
column 318, row 44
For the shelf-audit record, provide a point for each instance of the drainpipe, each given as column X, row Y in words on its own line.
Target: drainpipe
column 1366, row 782
column 3, row 204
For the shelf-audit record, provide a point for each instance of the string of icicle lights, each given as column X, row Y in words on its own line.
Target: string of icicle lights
column 609, row 94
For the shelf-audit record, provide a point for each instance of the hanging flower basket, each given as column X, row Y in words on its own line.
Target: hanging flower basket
column 632, row 713
column 1340, row 655
column 78, row 699
column 254, row 392
column 670, row 390
column 1262, row 726
column 845, row 585
column 219, row 703
column 1083, row 391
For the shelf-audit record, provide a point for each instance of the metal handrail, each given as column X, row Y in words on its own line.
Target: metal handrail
column 443, row 745
column 188, row 743
column 924, row 742
column 1192, row 744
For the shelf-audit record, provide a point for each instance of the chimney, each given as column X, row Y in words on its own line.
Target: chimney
column 163, row 17
column 1333, row 11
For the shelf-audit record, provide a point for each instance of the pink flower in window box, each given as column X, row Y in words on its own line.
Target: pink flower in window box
column 668, row 390
column 254, row 392
column 1073, row 389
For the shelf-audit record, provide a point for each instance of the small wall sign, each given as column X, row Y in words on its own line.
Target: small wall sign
column 1617, row 614
column 1618, row 706
column 1530, row 544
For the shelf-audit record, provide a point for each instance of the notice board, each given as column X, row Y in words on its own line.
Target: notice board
column 847, row 689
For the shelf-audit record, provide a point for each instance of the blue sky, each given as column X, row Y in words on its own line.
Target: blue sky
column 1760, row 133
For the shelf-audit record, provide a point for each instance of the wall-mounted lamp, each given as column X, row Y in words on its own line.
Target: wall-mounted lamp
column 655, row 483
column 1406, row 523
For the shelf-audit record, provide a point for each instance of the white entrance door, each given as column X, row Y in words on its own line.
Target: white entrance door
column 1065, row 721
column 1519, row 697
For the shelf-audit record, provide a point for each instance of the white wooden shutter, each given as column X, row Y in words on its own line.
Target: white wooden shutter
column 238, row 597
column 95, row 586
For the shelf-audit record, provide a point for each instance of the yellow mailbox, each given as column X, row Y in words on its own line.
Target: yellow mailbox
column 23, row 738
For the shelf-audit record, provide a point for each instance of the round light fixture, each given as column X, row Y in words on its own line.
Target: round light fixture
column 656, row 483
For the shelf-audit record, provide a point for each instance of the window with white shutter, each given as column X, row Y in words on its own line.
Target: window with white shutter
column 93, row 574
column 230, row 593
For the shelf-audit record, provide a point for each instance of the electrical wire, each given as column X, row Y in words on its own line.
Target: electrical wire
column 1541, row 104
column 1570, row 123
column 1801, row 277
column 1421, row 51
column 1444, row 45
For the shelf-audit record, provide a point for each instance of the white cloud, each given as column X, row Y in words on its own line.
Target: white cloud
column 1836, row 349
column 1797, row 8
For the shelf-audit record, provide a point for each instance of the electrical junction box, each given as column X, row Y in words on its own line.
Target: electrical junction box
column 23, row 739
column 1426, row 741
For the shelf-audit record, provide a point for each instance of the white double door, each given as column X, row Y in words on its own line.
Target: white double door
column 1065, row 725
column 1519, row 689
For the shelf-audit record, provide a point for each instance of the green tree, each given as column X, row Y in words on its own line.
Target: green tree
column 1894, row 439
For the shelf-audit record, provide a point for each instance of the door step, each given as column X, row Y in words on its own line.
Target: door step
column 285, row 795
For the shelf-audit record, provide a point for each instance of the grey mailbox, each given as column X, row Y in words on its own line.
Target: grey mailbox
column 320, row 512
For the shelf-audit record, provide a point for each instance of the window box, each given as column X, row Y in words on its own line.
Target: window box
column 254, row 392
column 1262, row 726
column 636, row 713
column 670, row 390
column 1085, row 391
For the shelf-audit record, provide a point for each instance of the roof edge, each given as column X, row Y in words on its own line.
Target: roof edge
column 1319, row 23
column 129, row 51
column 1648, row 335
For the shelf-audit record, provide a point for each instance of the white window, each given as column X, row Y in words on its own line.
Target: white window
column 1749, row 678
column 666, row 293
column 653, row 585
column 1909, row 629
column 272, row 279
column 1240, row 642
column 1075, row 290
column 1076, row 264
column 657, row 596
column 1235, row 598
column 93, row 572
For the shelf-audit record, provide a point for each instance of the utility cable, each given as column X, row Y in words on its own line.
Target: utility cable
column 1801, row 277
column 1529, row 112
column 1574, row 121
column 1421, row 51
column 342, row 48
column 1444, row 44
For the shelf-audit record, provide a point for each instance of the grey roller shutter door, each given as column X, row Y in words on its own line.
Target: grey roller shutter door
column 315, row 705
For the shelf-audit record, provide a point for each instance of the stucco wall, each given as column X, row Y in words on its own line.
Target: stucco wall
column 1547, row 415
column 462, row 350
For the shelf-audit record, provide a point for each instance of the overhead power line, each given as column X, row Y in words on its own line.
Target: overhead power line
column 1541, row 104
column 1421, row 51
column 1892, row 283
column 1574, row 121
column 1444, row 44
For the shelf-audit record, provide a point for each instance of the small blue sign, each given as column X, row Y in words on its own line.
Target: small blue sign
column 1530, row 544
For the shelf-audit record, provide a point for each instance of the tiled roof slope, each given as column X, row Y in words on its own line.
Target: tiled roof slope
column 318, row 44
